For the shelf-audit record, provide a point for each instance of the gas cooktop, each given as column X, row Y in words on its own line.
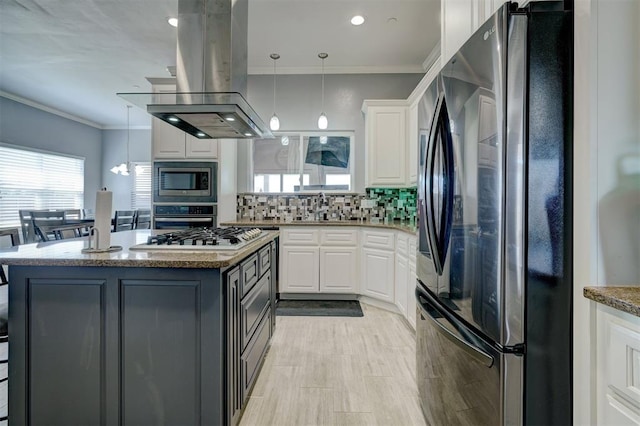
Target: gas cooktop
column 206, row 239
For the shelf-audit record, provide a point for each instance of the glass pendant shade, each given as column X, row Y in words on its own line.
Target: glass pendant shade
column 323, row 121
column 274, row 123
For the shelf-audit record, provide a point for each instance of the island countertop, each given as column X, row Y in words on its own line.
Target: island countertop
column 68, row 253
column 625, row 299
column 270, row 223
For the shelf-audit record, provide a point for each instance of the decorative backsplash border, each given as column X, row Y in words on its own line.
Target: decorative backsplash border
column 377, row 205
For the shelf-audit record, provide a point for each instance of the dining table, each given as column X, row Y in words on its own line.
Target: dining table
column 59, row 229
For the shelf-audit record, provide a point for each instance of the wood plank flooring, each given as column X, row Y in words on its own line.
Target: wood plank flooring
column 338, row 371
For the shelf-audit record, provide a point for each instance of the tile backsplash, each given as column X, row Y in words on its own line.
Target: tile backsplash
column 376, row 205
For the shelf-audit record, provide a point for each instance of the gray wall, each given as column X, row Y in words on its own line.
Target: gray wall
column 26, row 126
column 114, row 152
column 298, row 105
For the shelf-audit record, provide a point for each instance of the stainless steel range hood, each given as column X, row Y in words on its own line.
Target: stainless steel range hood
column 211, row 74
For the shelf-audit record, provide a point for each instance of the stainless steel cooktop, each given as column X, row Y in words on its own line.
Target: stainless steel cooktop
column 201, row 239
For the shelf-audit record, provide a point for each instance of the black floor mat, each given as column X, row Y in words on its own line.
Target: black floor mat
column 319, row 308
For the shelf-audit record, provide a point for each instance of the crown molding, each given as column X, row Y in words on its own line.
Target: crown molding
column 406, row 69
column 49, row 109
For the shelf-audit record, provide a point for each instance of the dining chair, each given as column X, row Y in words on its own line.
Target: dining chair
column 43, row 220
column 26, row 224
column 124, row 220
column 73, row 214
column 143, row 219
column 4, row 318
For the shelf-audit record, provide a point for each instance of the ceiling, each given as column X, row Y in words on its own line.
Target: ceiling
column 74, row 55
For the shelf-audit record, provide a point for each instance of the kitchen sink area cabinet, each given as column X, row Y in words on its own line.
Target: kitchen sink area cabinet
column 300, row 268
column 377, row 276
column 316, row 260
column 339, row 261
column 402, row 273
column 411, row 282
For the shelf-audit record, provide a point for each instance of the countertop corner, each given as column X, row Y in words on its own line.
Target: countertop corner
column 622, row 298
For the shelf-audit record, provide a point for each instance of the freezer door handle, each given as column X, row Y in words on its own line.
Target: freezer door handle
column 454, row 336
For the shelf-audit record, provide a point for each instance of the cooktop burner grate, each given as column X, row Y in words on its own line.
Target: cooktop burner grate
column 231, row 238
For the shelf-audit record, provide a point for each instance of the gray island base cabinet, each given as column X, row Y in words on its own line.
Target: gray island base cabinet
column 136, row 346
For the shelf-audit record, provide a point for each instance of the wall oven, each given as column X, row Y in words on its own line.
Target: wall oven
column 185, row 182
column 184, row 216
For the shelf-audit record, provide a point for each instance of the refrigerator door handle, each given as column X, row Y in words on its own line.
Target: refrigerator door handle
column 473, row 351
column 439, row 228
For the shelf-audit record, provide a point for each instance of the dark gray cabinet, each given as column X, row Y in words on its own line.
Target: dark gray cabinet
column 116, row 346
column 133, row 346
column 249, row 320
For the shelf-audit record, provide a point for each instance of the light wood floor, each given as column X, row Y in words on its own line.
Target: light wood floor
column 338, row 371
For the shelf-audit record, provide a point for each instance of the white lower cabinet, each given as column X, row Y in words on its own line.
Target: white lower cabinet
column 338, row 270
column 315, row 260
column 402, row 280
column 411, row 293
column 618, row 367
column 300, row 267
column 330, row 260
column 377, row 277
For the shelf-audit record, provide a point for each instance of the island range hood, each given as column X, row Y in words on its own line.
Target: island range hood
column 211, row 74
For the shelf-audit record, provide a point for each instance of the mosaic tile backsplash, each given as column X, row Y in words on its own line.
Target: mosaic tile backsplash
column 377, row 205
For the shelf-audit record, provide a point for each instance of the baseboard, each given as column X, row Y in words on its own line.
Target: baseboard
column 379, row 304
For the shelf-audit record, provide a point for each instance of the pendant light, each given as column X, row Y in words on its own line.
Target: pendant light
column 323, row 122
column 274, row 123
column 123, row 168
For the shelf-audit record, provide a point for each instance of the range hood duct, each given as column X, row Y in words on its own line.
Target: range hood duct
column 211, row 74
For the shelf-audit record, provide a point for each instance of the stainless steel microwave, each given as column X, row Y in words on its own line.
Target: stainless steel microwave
column 186, row 181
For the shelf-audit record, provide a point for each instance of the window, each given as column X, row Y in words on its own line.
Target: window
column 141, row 194
column 304, row 161
column 38, row 180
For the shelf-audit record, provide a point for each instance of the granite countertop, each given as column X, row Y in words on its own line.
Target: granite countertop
column 410, row 229
column 68, row 253
column 625, row 299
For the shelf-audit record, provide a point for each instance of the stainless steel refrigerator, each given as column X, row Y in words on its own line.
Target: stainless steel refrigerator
column 494, row 264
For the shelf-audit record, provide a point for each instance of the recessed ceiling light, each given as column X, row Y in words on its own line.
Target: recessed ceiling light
column 173, row 119
column 248, row 134
column 230, row 118
column 357, row 20
column 200, row 135
column 173, row 22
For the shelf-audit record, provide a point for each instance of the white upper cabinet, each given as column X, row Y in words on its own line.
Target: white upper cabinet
column 200, row 148
column 456, row 26
column 169, row 142
column 386, row 143
column 460, row 18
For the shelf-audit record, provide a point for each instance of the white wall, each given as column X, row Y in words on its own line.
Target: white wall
column 298, row 105
column 606, row 117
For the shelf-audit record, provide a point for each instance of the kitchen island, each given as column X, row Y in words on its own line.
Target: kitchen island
column 136, row 337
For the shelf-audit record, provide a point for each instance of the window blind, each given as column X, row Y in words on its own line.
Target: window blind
column 38, row 181
column 141, row 194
